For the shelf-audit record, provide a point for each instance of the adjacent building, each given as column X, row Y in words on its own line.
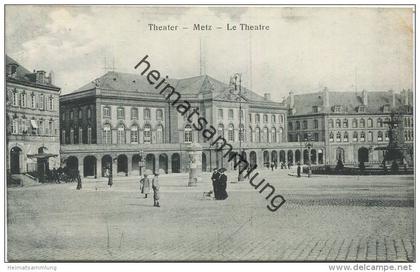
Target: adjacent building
column 118, row 117
column 349, row 124
column 32, row 120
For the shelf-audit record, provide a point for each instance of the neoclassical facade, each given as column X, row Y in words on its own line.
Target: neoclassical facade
column 118, row 116
column 32, row 118
column 351, row 125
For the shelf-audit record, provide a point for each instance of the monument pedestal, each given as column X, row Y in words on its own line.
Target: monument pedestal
column 194, row 173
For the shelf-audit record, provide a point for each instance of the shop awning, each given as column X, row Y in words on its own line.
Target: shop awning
column 33, row 124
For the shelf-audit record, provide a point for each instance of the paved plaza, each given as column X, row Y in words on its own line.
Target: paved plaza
column 325, row 218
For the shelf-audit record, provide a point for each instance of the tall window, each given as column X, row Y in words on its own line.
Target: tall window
column 15, row 126
column 80, row 136
column 280, row 134
column 282, row 118
column 241, row 114
column 331, row 137
column 221, row 130
column 345, row 123
column 251, row 137
column 89, row 135
column 146, row 114
column 362, row 136
column 354, row 123
column 230, row 114
column 315, row 123
column 134, row 135
column 346, row 137
column 188, row 134
column 120, row 113
column 241, row 133
column 220, row 113
column 379, row 122
column 273, row 118
column 231, row 133
column 257, row 117
column 134, row 114
column 15, row 98
column 41, row 127
column 316, row 137
column 41, row 102
column 63, row 136
column 266, row 135
column 121, row 134
column 250, row 118
column 107, row 112
column 362, row 123
column 265, row 118
column 33, row 100
column 23, row 100
column 107, row 134
column 51, row 103
column 159, row 134
column 355, row 136
column 330, row 123
column 338, row 138
column 50, row 127
column 305, row 124
column 370, row 136
column 159, row 114
column 338, row 123
column 273, row 135
column 380, row 136
column 370, row 123
column 147, row 133
column 71, row 136
column 80, row 114
column 297, row 125
column 290, row 125
column 258, row 135
column 386, row 136
column 89, row 113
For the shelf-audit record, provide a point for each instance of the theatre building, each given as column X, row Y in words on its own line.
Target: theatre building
column 118, row 116
column 350, row 124
column 32, row 116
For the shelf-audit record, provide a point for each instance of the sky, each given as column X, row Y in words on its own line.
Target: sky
column 305, row 50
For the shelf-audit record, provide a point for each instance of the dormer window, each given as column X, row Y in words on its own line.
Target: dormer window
column 360, row 109
column 12, row 68
column 337, row 108
column 386, row 108
column 315, row 109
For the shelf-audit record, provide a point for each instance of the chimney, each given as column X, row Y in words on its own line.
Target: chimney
column 325, row 98
column 393, row 98
column 291, row 100
column 267, row 96
column 365, row 97
column 40, row 76
column 51, row 77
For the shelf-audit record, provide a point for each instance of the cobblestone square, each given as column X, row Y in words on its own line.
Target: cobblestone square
column 325, row 218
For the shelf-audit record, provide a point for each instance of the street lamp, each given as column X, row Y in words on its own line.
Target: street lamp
column 141, row 163
column 236, row 81
column 309, row 145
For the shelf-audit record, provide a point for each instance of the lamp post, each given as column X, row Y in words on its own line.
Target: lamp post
column 309, row 145
column 141, row 163
column 236, row 81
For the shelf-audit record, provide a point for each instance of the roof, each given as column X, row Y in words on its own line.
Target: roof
column 303, row 103
column 126, row 82
column 24, row 76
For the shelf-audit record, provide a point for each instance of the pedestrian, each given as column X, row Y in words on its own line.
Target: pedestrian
column 156, row 187
column 272, row 166
column 145, row 187
column 79, row 180
column 110, row 176
column 275, row 165
column 221, row 185
column 298, row 170
column 289, row 165
column 214, row 178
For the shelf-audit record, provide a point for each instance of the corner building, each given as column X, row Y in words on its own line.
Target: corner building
column 114, row 118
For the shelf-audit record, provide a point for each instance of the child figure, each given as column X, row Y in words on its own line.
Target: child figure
column 155, row 187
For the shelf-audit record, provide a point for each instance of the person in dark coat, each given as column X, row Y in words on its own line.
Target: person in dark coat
column 298, row 170
column 221, row 186
column 110, row 176
column 214, row 179
column 156, row 187
column 79, row 180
